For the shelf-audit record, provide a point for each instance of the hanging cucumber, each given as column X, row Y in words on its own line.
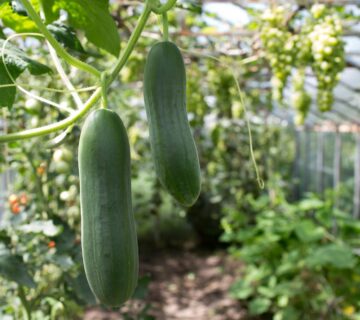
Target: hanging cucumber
column 173, row 147
column 109, row 242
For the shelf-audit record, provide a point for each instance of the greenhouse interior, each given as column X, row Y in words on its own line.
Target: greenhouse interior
column 180, row 159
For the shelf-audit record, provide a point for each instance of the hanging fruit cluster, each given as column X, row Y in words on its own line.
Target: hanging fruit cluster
column 314, row 42
column 109, row 241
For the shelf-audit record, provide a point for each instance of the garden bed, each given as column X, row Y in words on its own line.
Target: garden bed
column 186, row 285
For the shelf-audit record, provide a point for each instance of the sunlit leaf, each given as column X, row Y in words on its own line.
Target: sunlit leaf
column 259, row 306
column 332, row 255
column 18, row 7
column 16, row 62
column 46, row 227
column 66, row 36
column 241, row 290
column 10, row 18
column 307, row 231
column 94, row 18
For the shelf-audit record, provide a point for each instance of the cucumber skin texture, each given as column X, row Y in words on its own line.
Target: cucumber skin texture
column 108, row 234
column 172, row 144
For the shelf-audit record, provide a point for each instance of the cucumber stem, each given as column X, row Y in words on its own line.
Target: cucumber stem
column 58, row 48
column 164, row 8
column 94, row 98
column 165, row 26
column 25, row 304
column 104, row 99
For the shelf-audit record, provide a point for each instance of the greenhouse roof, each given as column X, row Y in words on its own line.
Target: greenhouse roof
column 345, row 113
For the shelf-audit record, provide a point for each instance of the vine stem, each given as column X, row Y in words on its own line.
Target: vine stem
column 104, row 99
column 164, row 8
column 60, row 69
column 65, row 78
column 11, row 85
column 27, row 314
column 94, row 97
column 51, row 103
column 58, row 48
column 259, row 180
column 165, row 26
column 132, row 42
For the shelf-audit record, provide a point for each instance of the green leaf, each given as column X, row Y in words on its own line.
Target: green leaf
column 49, row 10
column 7, row 95
column 241, row 289
column 13, row 268
column 142, row 288
column 192, row 6
column 63, row 261
column 16, row 62
column 18, row 7
column 46, row 227
column 66, row 36
column 332, row 255
column 310, row 204
column 82, row 289
column 94, row 18
column 65, row 240
column 289, row 313
column 15, row 57
column 15, row 21
column 259, row 306
column 307, row 231
column 267, row 292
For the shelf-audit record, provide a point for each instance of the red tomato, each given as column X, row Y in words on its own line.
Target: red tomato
column 15, row 208
column 13, row 199
column 51, row 244
column 23, row 199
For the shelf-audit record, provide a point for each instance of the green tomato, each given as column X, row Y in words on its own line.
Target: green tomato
column 62, row 167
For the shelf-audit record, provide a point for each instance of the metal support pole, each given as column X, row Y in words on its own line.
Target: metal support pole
column 307, row 165
column 297, row 165
column 356, row 212
column 337, row 160
column 320, row 162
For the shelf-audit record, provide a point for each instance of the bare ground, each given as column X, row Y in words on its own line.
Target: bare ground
column 185, row 285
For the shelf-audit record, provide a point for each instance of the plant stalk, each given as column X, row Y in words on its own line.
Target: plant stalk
column 94, row 98
column 24, row 302
column 58, row 48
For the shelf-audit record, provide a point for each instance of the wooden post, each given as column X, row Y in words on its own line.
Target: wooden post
column 320, row 162
column 356, row 212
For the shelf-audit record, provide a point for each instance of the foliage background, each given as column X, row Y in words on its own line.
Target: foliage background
column 301, row 258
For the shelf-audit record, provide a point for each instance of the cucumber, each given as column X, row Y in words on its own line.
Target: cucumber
column 108, row 235
column 172, row 144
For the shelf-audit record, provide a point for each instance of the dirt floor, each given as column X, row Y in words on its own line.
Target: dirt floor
column 184, row 285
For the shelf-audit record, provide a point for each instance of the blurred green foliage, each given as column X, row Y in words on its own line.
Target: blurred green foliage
column 300, row 259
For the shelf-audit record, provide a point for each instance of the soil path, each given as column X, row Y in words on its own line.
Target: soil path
column 186, row 285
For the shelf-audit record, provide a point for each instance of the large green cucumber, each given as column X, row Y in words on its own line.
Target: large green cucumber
column 173, row 147
column 108, row 235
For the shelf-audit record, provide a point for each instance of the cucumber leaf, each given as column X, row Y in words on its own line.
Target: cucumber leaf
column 13, row 268
column 66, row 36
column 11, row 18
column 83, row 14
column 16, row 62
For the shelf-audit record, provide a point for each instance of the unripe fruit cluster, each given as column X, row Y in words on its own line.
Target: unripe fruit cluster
column 317, row 44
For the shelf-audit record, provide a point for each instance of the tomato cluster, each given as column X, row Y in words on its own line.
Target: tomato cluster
column 18, row 202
